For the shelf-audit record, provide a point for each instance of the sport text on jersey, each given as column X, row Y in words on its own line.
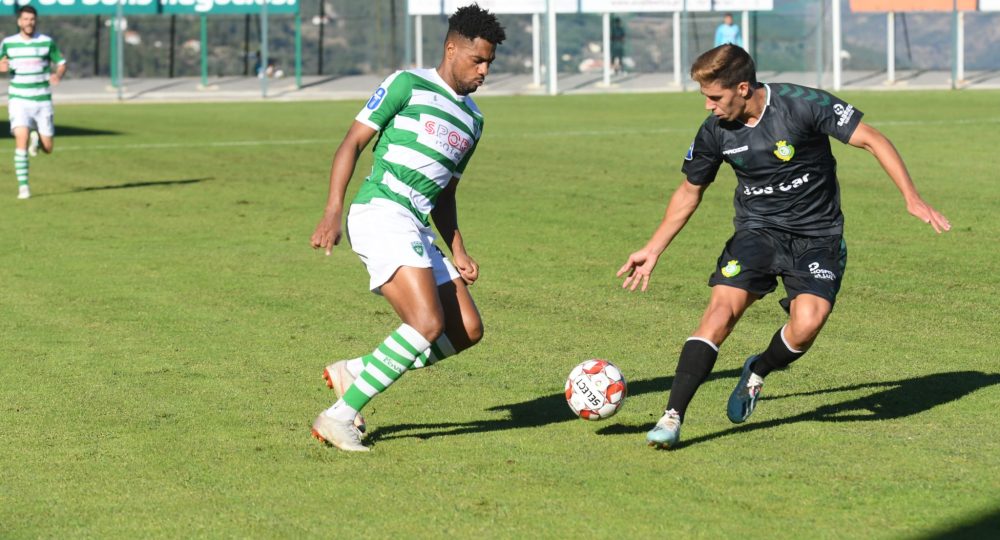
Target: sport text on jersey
column 447, row 139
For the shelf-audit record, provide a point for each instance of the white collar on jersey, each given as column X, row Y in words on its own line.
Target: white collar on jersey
column 432, row 75
column 767, row 101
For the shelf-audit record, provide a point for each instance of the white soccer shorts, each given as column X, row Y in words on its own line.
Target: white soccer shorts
column 387, row 236
column 35, row 115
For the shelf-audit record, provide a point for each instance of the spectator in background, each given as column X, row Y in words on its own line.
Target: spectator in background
column 727, row 32
column 617, row 45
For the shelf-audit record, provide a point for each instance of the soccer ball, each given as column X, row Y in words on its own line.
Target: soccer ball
column 595, row 389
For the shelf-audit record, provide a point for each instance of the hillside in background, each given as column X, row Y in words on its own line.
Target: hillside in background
column 344, row 37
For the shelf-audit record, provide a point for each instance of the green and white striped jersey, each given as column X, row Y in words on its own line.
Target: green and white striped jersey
column 30, row 65
column 427, row 134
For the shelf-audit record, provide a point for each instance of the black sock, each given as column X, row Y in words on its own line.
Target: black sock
column 777, row 356
column 696, row 362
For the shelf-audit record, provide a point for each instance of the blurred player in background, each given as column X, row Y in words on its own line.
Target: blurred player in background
column 428, row 128
column 29, row 57
column 788, row 221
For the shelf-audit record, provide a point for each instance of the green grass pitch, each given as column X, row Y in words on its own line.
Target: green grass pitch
column 164, row 325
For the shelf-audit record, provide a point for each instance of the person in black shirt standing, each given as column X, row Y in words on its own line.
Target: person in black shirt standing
column 788, row 222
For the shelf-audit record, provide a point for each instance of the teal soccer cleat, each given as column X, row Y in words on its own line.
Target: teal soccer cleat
column 667, row 431
column 744, row 396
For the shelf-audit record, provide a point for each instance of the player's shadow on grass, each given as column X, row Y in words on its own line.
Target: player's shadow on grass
column 128, row 185
column 66, row 131
column 537, row 412
column 895, row 399
column 979, row 526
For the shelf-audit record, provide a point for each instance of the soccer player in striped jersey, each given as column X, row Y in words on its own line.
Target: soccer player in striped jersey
column 29, row 57
column 428, row 128
column 788, row 220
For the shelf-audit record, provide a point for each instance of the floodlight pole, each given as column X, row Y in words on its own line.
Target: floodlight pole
column 120, row 42
column 683, row 47
column 263, row 49
column 418, row 40
column 298, row 50
column 606, row 24
column 204, row 50
column 836, row 45
column 890, row 53
column 954, row 37
column 553, row 59
column 960, row 48
column 677, row 48
column 408, row 36
column 745, row 23
column 536, row 50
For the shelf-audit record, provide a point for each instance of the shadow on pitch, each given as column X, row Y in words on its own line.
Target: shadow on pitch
column 66, row 131
column 894, row 399
column 980, row 526
column 537, row 412
column 128, row 185
column 891, row 400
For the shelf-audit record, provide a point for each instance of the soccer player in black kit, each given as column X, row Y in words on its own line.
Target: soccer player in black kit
column 788, row 222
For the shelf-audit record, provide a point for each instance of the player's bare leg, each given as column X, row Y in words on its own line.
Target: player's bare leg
column 46, row 144
column 413, row 295
column 463, row 324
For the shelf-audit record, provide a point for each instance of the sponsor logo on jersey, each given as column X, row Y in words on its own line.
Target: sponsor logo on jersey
column 732, row 151
column 447, row 139
column 731, row 269
column 845, row 113
column 690, row 154
column 783, row 186
column 820, row 273
column 376, row 99
column 784, row 151
column 418, row 247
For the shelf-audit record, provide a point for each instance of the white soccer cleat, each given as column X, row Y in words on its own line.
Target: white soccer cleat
column 340, row 379
column 667, row 431
column 343, row 435
column 23, row 192
column 33, row 144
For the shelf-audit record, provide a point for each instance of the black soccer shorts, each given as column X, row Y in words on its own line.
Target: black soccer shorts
column 753, row 260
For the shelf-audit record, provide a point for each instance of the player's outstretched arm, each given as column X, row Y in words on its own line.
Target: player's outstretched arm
column 640, row 264
column 875, row 142
column 445, row 215
column 328, row 231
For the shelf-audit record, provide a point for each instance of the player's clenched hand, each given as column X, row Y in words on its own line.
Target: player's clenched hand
column 467, row 267
column 327, row 232
column 638, row 267
column 925, row 213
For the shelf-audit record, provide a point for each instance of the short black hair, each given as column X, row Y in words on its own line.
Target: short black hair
column 27, row 9
column 474, row 22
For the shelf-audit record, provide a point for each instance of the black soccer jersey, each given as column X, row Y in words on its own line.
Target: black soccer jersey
column 786, row 172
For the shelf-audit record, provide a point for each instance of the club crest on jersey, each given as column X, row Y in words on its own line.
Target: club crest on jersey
column 418, row 247
column 731, row 269
column 784, row 151
column 376, row 99
column 690, row 154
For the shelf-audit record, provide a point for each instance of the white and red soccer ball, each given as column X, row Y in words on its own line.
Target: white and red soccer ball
column 595, row 389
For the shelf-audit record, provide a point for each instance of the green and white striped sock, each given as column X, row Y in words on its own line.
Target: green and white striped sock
column 383, row 366
column 439, row 350
column 21, row 166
